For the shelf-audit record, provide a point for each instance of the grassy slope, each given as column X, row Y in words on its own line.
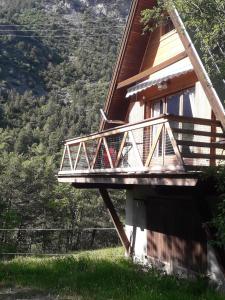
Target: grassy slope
column 102, row 274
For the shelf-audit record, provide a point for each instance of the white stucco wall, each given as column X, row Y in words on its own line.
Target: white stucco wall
column 136, row 112
column 202, row 106
column 136, row 225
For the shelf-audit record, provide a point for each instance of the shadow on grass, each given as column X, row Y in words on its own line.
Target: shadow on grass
column 90, row 278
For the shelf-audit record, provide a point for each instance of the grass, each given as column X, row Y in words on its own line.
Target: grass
column 100, row 275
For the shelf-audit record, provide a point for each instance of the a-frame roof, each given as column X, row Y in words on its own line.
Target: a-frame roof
column 129, row 59
column 133, row 46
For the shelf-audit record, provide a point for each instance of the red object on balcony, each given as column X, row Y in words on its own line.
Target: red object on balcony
column 112, row 152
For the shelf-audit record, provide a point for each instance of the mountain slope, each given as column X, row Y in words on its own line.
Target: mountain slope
column 56, row 62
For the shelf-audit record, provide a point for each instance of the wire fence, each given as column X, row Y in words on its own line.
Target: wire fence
column 57, row 229
column 54, row 241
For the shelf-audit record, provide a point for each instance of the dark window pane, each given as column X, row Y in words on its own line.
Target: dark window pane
column 173, row 108
column 173, row 105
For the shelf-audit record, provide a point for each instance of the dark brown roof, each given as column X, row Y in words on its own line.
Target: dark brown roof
column 129, row 60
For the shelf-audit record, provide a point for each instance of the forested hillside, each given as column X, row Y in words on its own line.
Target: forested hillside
column 56, row 62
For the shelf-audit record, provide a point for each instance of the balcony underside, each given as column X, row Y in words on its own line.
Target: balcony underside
column 130, row 180
column 167, row 150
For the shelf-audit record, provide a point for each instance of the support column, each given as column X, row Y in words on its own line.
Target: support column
column 116, row 221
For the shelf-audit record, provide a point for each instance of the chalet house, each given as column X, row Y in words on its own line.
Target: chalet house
column 165, row 122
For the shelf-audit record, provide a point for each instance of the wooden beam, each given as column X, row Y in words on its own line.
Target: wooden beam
column 96, row 153
column 105, row 171
column 153, row 147
column 198, row 168
column 121, row 149
column 203, row 156
column 199, row 121
column 151, row 70
column 198, row 132
column 213, row 145
column 116, row 221
column 174, row 144
column 120, row 129
column 78, row 156
column 64, row 153
column 141, row 124
column 124, row 181
column 108, row 152
column 135, row 148
column 70, row 159
column 86, row 155
column 213, row 141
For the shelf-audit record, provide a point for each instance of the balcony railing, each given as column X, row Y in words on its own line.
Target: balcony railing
column 164, row 144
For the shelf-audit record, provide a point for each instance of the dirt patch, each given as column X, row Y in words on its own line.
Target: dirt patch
column 15, row 293
column 25, row 294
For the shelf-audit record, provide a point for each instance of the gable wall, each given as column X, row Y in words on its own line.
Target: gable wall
column 153, row 49
column 161, row 48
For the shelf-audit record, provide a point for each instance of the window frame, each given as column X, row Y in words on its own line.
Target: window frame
column 149, row 104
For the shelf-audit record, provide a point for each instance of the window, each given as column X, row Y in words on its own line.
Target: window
column 178, row 104
column 173, row 105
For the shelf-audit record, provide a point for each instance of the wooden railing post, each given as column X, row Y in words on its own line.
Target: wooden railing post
column 136, row 151
column 174, row 144
column 77, row 157
column 121, row 149
column 213, row 140
column 86, row 155
column 96, row 153
column 63, row 157
column 153, row 147
column 116, row 221
column 70, row 159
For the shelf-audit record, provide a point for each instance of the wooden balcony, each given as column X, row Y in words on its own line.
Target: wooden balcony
column 159, row 148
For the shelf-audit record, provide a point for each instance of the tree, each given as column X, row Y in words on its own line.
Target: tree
column 51, row 90
column 217, row 175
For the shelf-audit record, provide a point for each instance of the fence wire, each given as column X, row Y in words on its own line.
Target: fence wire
column 54, row 241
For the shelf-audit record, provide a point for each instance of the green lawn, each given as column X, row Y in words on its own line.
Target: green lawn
column 100, row 275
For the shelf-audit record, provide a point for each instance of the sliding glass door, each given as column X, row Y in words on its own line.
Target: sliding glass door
column 180, row 104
